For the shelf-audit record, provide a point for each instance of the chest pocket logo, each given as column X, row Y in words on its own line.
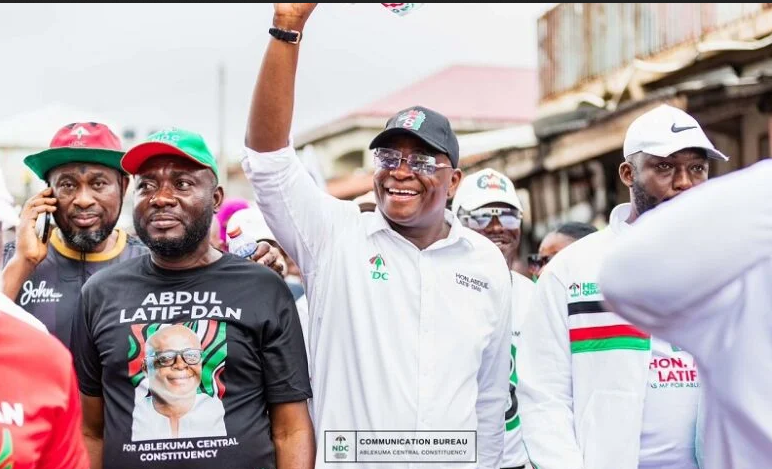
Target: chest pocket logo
column 39, row 294
column 378, row 270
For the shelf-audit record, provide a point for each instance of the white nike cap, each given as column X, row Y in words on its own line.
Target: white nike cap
column 665, row 130
column 485, row 187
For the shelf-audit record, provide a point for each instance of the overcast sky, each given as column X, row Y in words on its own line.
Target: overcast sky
column 151, row 65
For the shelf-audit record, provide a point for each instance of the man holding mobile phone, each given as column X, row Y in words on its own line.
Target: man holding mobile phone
column 46, row 266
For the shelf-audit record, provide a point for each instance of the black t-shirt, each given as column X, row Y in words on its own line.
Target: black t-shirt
column 239, row 317
column 51, row 293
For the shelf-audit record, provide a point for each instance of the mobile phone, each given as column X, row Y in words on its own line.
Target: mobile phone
column 43, row 226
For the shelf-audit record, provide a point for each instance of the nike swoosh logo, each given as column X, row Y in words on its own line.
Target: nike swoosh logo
column 675, row 129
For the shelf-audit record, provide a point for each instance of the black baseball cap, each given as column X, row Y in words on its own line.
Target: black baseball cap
column 429, row 126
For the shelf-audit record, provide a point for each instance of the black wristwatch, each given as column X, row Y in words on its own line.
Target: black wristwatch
column 286, row 35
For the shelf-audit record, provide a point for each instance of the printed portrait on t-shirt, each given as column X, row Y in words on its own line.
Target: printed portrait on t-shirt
column 176, row 371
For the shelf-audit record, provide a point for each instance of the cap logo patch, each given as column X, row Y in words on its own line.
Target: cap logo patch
column 675, row 129
column 166, row 135
column 78, row 132
column 412, row 119
column 490, row 181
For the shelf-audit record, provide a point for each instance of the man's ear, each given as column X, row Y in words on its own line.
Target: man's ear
column 143, row 366
column 627, row 173
column 218, row 196
column 124, row 184
column 455, row 180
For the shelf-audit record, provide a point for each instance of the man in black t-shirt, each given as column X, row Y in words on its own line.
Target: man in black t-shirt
column 87, row 187
column 189, row 357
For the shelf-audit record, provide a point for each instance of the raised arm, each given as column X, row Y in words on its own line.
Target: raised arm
column 303, row 218
column 273, row 100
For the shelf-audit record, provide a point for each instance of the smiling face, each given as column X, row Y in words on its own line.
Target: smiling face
column 174, row 203
column 180, row 381
column 411, row 199
column 88, row 198
column 507, row 240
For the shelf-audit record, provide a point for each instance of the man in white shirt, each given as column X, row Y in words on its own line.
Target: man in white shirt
column 486, row 202
column 703, row 283
column 409, row 310
column 595, row 391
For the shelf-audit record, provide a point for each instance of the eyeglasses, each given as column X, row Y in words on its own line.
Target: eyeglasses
column 537, row 261
column 386, row 158
column 191, row 356
column 479, row 219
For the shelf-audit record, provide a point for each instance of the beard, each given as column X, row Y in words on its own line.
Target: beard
column 85, row 240
column 642, row 200
column 174, row 248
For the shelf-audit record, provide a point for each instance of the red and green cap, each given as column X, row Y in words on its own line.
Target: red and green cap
column 177, row 142
column 80, row 142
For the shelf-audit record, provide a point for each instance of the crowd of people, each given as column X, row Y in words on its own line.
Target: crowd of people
column 403, row 314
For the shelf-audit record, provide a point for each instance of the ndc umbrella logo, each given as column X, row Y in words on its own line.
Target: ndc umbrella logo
column 340, row 447
column 380, row 266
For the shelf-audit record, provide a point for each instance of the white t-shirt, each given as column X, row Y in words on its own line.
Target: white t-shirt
column 670, row 409
column 204, row 419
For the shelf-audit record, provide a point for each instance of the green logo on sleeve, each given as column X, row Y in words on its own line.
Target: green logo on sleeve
column 589, row 289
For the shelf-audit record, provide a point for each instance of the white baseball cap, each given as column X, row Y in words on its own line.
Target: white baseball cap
column 252, row 223
column 665, row 130
column 485, row 187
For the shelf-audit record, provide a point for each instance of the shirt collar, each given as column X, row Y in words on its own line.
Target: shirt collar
column 618, row 218
column 57, row 242
column 458, row 232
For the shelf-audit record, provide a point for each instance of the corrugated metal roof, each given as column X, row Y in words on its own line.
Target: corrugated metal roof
column 582, row 41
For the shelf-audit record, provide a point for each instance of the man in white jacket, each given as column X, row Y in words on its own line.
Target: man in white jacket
column 595, row 391
column 486, row 202
column 717, row 306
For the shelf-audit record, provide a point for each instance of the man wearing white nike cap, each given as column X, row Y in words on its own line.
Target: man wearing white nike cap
column 595, row 391
column 486, row 202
